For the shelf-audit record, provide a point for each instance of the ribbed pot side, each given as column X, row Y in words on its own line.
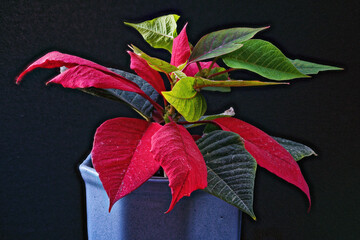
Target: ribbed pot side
column 140, row 215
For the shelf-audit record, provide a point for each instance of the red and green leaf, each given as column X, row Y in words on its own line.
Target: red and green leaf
column 136, row 102
column 180, row 49
column 121, row 155
column 82, row 73
column 142, row 68
column 192, row 69
column 267, row 152
column 181, row 159
column 155, row 63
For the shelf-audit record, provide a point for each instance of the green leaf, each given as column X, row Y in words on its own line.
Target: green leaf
column 210, row 127
column 221, row 42
column 311, row 68
column 228, row 113
column 155, row 63
column 224, row 76
column 158, row 32
column 231, row 169
column 186, row 100
column 137, row 102
column 297, row 150
column 202, row 82
column 179, row 74
column 263, row 58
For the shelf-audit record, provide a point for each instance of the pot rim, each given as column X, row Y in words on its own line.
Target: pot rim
column 86, row 166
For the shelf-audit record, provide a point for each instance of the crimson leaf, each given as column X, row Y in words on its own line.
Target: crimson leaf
column 121, row 155
column 181, row 159
column 180, row 49
column 142, row 68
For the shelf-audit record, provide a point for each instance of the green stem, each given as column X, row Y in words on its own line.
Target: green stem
column 202, row 82
column 213, row 62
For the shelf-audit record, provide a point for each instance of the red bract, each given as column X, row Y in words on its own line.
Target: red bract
column 267, row 152
column 181, row 159
column 121, row 155
column 180, row 49
column 57, row 59
column 192, row 68
column 85, row 77
column 142, row 68
column 83, row 73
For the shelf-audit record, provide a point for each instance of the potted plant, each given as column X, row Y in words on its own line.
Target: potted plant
column 127, row 152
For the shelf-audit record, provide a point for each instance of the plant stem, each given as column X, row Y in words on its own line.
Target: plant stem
column 213, row 62
column 219, row 73
column 199, row 66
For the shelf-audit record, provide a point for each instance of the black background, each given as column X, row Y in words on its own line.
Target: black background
column 47, row 131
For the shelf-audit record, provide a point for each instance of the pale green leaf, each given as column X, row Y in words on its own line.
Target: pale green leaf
column 158, row 32
column 297, row 150
column 186, row 100
column 231, row 169
column 311, row 68
column 155, row 63
column 221, row 42
column 263, row 58
column 179, row 74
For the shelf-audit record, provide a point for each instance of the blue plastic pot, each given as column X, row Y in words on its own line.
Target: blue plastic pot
column 140, row 215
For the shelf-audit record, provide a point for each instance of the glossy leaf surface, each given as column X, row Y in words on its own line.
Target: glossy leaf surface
column 311, row 68
column 121, row 155
column 181, row 159
column 188, row 102
column 221, row 42
column 263, row 58
column 231, row 169
column 297, row 150
column 142, row 68
column 158, row 32
column 268, row 153
column 181, row 49
column 155, row 63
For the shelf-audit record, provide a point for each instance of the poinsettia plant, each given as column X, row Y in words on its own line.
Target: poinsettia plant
column 127, row 152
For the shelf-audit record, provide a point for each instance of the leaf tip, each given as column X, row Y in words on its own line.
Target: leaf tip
column 128, row 24
column 17, row 80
